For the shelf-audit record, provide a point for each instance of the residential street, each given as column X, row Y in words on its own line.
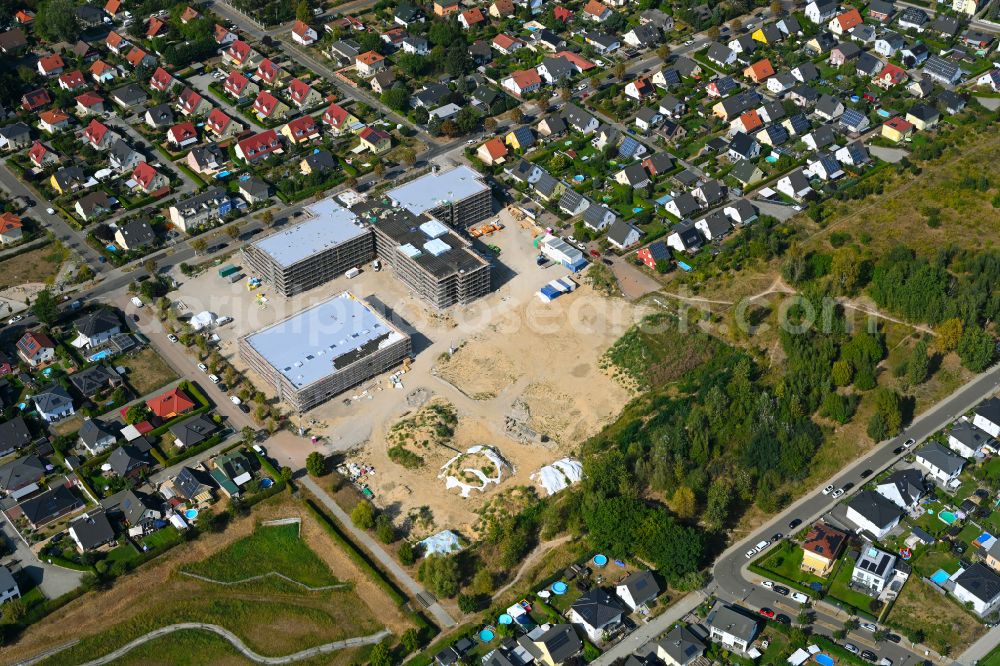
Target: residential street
column 54, row 581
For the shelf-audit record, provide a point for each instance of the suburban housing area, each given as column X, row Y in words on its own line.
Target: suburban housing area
column 509, row 332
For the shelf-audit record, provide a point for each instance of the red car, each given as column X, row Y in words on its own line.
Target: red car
column 595, row 253
column 766, row 612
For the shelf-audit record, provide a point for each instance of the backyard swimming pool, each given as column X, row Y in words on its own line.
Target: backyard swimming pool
column 940, row 576
column 824, row 659
column 947, row 517
column 771, row 159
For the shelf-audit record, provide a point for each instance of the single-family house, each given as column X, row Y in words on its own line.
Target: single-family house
column 134, row 235
column 941, row 464
column 897, row 129
column 979, row 586
column 597, row 613
column 873, row 570
column 904, row 488
column 304, row 34
column 53, row 403
column 91, row 531
column 821, row 548
column 95, row 436
column 733, row 629
column 873, row 513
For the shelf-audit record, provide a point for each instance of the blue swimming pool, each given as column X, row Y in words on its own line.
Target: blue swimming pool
column 600, row 560
column 824, row 659
column 559, row 587
column 191, row 514
column 104, row 353
column 947, row 517
column 940, row 576
column 771, row 159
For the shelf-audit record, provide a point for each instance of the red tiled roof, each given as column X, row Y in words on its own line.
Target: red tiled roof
column 189, row 14
column 259, row 145
column 299, row 90
column 135, row 56
column 89, row 99
column 112, row 6
column 33, row 341
column 144, row 174
column 154, row 27
column 221, row 33
column 95, row 132
column 578, row 61
column 51, row 62
column 239, row 51
column 72, row 79
column 525, row 78
column 495, row 148
column 850, row 19
column 99, row 67
column 473, row 16
column 114, row 40
column 174, row 401
column 335, row 115
column 370, row 58
column 504, row 42
column 188, row 100
column 161, row 80
column 595, row 8
column 9, row 222
column 182, row 132
column 38, row 152
column 899, row 124
column 35, row 99
column 760, row 70
column 267, row 70
column 218, row 121
column 824, row 541
column 302, row 127
column 235, row 83
column 561, row 13
column 265, row 104
column 301, row 29
column 751, row 120
column 53, row 116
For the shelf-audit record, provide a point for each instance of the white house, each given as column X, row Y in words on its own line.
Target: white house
column 904, row 488
column 980, row 586
column 95, row 328
column 795, row 185
column 637, row 589
column 622, row 235
column 967, row 440
column 987, row 416
column 596, row 612
column 942, row 465
column 873, row 569
column 731, row 628
column 872, row 513
column 8, row 586
column 53, row 403
column 821, row 11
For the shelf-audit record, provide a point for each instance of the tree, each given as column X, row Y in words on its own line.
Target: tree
column 718, row 502
column 267, row 217
column 363, row 515
column 440, row 574
column 406, row 554
column 713, row 32
column 384, row 529
column 380, row 655
column 490, row 125
column 316, row 464
column 663, row 51
column 45, row 307
column 776, row 8
column 976, row 349
column 149, row 265
column 407, row 156
column 949, row 334
column 286, row 474
column 302, row 11
column 841, row 373
column 248, row 436
column 683, row 502
column 845, row 271
column 379, row 169
column 619, row 69
column 56, row 21
column 517, row 115
column 919, row 364
column 137, row 413
column 396, row 98
column 233, row 230
column 199, row 245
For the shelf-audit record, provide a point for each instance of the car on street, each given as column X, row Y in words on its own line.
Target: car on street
column 751, row 553
column 837, row 493
column 172, row 338
column 135, row 318
column 799, row 597
column 214, row 379
column 828, row 489
column 767, row 583
column 235, row 400
column 766, row 612
column 868, row 626
column 794, row 523
column 781, row 618
column 245, row 408
column 203, row 367
column 852, row 648
column 782, row 590
column 761, row 545
column 908, row 443
column 868, row 655
column 893, row 638
column 50, row 211
column 865, row 474
column 15, row 319
column 778, row 536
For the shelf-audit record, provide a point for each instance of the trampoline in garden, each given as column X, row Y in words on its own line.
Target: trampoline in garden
column 940, row 576
column 559, row 587
column 823, row 659
column 600, row 560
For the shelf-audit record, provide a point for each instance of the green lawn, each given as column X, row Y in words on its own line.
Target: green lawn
column 167, row 535
column 840, row 590
column 930, row 561
column 929, row 522
column 274, row 548
column 784, row 562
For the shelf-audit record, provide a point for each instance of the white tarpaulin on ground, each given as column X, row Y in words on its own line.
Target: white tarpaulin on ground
column 81, row 341
column 799, row 657
column 442, row 543
column 202, row 319
column 491, row 454
column 559, row 475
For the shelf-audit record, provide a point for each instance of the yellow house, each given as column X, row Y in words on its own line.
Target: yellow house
column 821, row 548
column 993, row 556
column 896, row 129
column 520, row 139
column 375, row 140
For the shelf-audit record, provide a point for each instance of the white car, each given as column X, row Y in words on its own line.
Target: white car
column 853, row 649
column 761, row 545
column 214, row 379
column 203, row 367
column 172, row 338
column 235, row 400
column 837, row 493
column 15, row 319
column 689, row 42
column 908, row 443
column 868, row 626
column 50, row 211
column 751, row 553
column 828, row 490
column 799, row 597
column 767, row 583
column 137, row 302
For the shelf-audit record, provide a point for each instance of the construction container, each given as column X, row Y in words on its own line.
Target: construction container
column 228, row 270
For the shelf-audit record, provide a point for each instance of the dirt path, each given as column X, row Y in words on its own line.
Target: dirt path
column 532, row 559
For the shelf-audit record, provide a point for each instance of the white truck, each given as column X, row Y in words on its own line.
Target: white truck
column 137, row 302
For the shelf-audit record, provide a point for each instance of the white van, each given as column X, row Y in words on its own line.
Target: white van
column 352, row 273
column 799, row 597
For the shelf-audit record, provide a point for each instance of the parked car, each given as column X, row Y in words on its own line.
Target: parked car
column 778, row 536
column 828, row 489
column 794, row 523
column 868, row 626
column 172, row 338
column 751, row 553
column 893, row 638
column 782, row 590
column 214, row 379
column 203, row 367
column 868, row 655
column 767, row 583
column 837, row 493
column 766, row 612
column 781, row 618
column 865, row 474
column 235, row 400
column 852, row 648
column 761, row 545
column 908, row 443
column 799, row 597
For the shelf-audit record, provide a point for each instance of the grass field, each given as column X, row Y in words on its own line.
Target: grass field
column 38, row 265
column 944, row 623
column 147, row 371
column 271, row 616
column 785, row 562
column 276, row 548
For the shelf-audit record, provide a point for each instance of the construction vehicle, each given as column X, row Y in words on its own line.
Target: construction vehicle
column 406, row 364
column 485, row 229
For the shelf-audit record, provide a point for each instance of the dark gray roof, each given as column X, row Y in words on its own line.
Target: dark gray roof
column 320, row 160
column 138, row 233
column 161, row 114
column 620, row 231
column 719, row 53
column 989, row 409
column 909, row 483
column 913, row 15
column 194, row 430
column 875, row 508
column 743, row 171
column 943, row 24
column 93, row 530
column 555, row 124
column 882, row 7
column 641, row 586
column 558, row 68
column 742, row 144
column 21, row 472
column 682, row 645
column 570, row 201
column 849, row 50
column 646, row 35
column 808, row 71
column 686, row 204
column 596, row 215
column 52, row 398
column 561, row 642
column 132, row 505
column 94, row 430
column 546, row 184
column 126, row 458
column 15, row 131
column 14, row 434
column 689, row 236
column 190, row 483
column 718, row 224
column 97, row 322
column 823, row 136
column 970, row 435
column 868, row 64
column 635, row 174
column 942, row 458
column 713, row 191
column 49, row 505
column 731, row 621
column 130, row 95
column 980, row 581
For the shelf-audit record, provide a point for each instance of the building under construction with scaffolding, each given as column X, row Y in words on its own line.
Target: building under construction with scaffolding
column 459, row 197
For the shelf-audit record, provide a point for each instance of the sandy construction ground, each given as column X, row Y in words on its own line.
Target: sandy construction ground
column 506, row 354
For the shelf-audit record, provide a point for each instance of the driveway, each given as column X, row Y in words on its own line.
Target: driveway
column 886, row 154
column 633, row 282
column 54, row 581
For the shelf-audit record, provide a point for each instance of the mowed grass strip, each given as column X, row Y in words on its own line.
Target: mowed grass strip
column 270, row 548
